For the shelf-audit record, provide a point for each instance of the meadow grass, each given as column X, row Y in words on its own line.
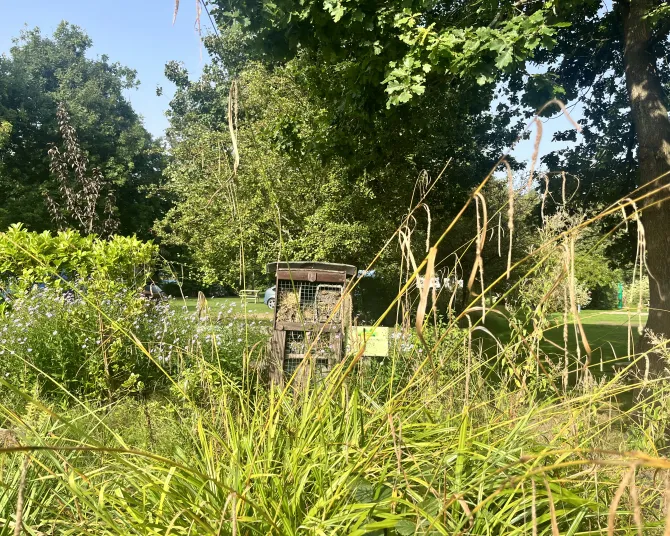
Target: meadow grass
column 421, row 443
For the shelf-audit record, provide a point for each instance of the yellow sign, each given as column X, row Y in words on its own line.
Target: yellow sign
column 376, row 340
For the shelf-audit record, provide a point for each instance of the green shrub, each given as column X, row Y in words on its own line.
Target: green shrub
column 31, row 258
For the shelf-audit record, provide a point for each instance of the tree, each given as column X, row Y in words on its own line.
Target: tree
column 283, row 200
column 41, row 72
column 650, row 120
column 355, row 134
column 609, row 58
column 613, row 62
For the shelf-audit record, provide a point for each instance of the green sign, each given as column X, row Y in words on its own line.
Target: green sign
column 376, row 341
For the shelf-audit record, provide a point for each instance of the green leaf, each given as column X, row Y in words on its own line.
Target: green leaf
column 405, row 527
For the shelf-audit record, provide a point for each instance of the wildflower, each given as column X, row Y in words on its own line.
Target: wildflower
column 54, row 332
column 230, row 325
column 239, row 340
column 30, row 349
column 83, row 346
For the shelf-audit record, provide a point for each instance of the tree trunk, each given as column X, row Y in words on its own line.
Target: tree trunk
column 650, row 118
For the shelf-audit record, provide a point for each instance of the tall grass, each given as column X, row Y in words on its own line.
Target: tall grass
column 360, row 453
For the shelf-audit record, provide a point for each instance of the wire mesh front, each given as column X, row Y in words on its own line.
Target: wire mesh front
column 302, row 301
column 321, row 367
column 323, row 351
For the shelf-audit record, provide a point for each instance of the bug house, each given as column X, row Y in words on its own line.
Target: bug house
column 312, row 317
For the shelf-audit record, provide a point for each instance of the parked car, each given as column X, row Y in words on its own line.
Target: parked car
column 270, row 298
column 153, row 292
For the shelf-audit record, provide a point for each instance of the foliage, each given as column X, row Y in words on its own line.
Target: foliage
column 445, row 436
column 38, row 73
column 348, row 456
column 405, row 46
column 636, row 293
column 284, row 200
column 78, row 344
column 30, row 258
column 335, row 178
column 567, row 249
column 594, row 74
column 5, row 131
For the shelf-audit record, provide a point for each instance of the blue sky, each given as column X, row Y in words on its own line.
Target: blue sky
column 136, row 33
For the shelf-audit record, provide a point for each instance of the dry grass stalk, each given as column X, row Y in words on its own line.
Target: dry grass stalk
column 573, row 303
column 408, row 260
column 176, row 10
column 640, row 254
column 510, row 214
column 233, row 98
column 479, row 246
column 428, row 227
column 500, row 232
column 536, row 151
column 457, row 263
column 552, row 510
column 202, row 308
column 20, row 500
column 564, row 110
column 614, row 505
column 635, row 500
column 423, row 302
column 544, row 196
column 563, row 189
column 198, row 14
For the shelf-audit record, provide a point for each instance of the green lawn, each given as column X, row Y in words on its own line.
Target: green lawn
column 229, row 307
column 606, row 331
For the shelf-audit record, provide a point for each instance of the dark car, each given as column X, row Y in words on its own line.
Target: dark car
column 152, row 291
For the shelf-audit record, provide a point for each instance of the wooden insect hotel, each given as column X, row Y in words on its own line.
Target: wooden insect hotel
column 312, row 317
